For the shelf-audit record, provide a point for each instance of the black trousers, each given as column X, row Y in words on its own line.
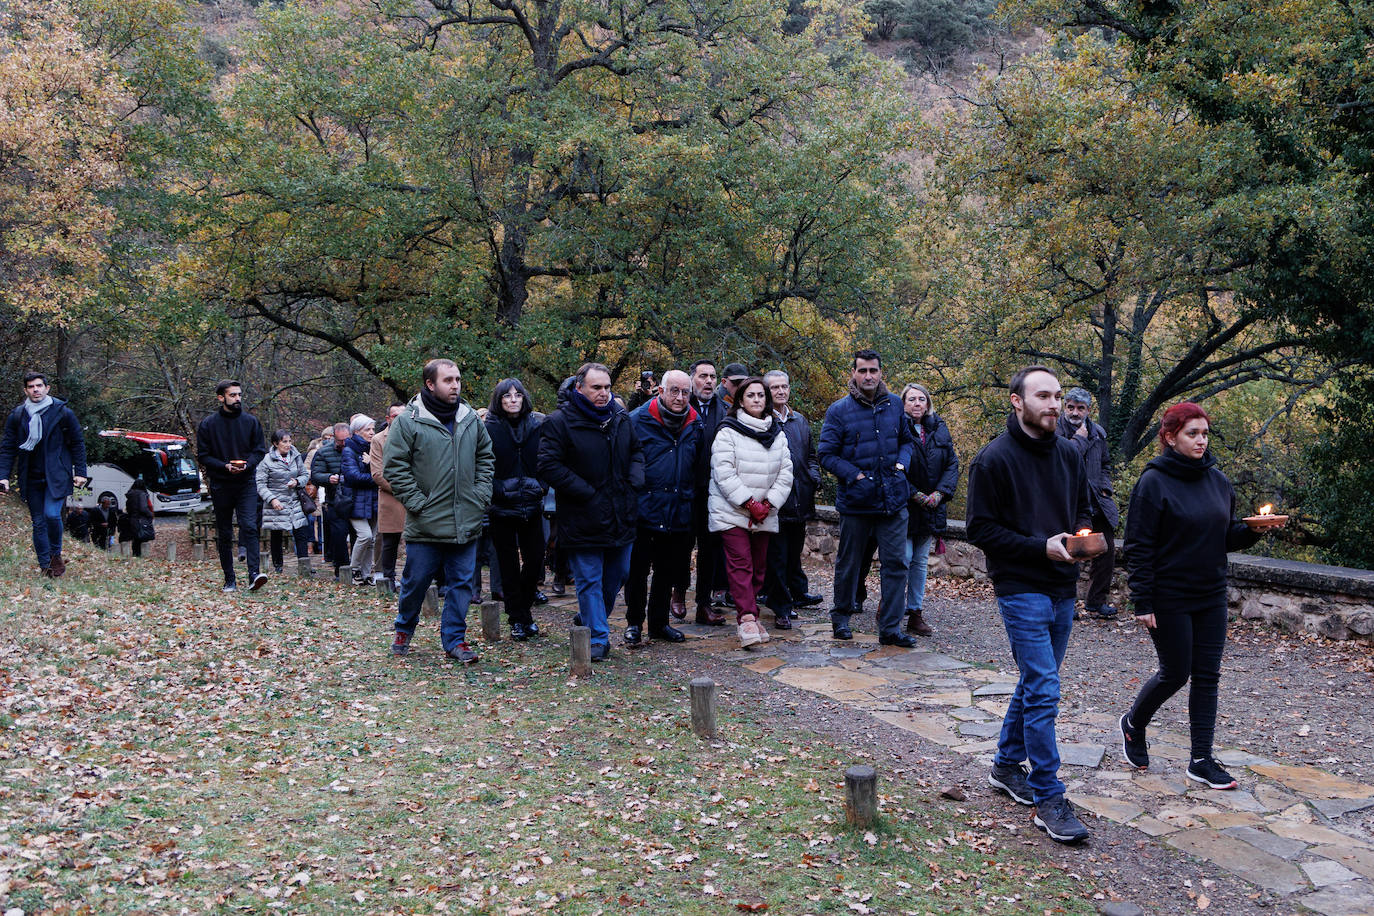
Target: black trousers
column 518, row 544
column 1100, row 568
column 1189, row 643
column 785, row 581
column 336, row 531
column 276, row 543
column 391, row 545
column 710, row 567
column 668, row 556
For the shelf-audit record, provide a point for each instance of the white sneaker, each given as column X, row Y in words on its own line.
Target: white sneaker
column 749, row 633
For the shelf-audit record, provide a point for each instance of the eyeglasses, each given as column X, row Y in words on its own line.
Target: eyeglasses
column 677, row 391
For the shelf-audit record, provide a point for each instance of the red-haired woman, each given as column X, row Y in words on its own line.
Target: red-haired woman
column 1181, row 525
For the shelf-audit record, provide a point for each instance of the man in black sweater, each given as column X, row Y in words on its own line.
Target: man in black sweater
column 1027, row 490
column 229, row 445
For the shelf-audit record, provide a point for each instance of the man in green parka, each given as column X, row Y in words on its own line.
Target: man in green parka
column 438, row 461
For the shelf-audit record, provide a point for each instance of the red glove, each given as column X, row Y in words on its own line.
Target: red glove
column 758, row 511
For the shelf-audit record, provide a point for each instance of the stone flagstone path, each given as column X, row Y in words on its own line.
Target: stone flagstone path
column 1281, row 832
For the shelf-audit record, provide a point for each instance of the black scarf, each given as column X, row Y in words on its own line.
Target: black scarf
column 765, row 436
column 583, row 405
column 670, row 419
column 444, row 413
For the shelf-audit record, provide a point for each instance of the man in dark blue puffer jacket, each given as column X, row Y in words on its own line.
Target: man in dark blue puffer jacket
column 867, row 444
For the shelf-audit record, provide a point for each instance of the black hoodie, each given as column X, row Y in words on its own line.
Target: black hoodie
column 1179, row 528
column 1021, row 491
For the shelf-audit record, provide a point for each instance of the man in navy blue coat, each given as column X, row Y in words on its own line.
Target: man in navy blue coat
column 43, row 446
column 672, row 436
column 866, row 443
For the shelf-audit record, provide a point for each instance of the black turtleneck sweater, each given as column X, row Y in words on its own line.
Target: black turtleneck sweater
column 222, row 437
column 1021, row 491
column 1180, row 527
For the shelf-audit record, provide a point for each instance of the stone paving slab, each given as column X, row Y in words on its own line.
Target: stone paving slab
column 922, row 661
column 1336, row 807
column 931, row 727
column 1325, row 872
column 1240, row 858
column 827, row 680
column 995, row 690
column 1081, row 755
column 765, row 665
column 1360, row 860
column 1152, row 826
column 1111, row 808
column 988, row 729
column 1314, row 782
column 1225, row 820
column 1279, row 846
column 1315, row 834
column 1340, row 900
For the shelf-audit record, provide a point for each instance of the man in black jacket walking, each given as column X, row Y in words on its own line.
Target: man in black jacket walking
column 326, row 472
column 1091, row 442
column 43, row 445
column 589, row 453
column 229, row 445
column 1026, row 492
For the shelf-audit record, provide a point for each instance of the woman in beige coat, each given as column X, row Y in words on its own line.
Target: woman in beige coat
column 391, row 515
column 751, row 475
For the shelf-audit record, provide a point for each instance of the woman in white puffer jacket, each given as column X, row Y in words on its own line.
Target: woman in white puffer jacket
column 751, row 475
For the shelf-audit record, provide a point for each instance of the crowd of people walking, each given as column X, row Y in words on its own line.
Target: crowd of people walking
column 618, row 496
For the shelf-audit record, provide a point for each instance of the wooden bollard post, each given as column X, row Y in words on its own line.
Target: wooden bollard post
column 430, row 606
column 197, row 552
column 304, row 570
column 703, row 691
column 125, row 549
column 382, row 584
column 581, row 651
column 491, row 621
column 171, row 551
column 860, row 796
column 343, row 574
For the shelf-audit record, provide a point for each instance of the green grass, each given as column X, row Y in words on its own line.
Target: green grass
column 163, row 747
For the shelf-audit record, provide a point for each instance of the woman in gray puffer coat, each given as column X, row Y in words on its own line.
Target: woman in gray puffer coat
column 280, row 478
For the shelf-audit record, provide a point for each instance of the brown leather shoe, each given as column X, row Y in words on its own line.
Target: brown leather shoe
column 916, row 624
column 677, row 605
column 59, row 565
column 709, row 618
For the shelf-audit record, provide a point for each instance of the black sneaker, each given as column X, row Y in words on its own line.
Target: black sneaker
column 1056, row 817
column 1207, row 771
column 1012, row 780
column 1133, row 746
column 258, row 582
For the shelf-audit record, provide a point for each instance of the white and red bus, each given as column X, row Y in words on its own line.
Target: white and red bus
column 165, row 463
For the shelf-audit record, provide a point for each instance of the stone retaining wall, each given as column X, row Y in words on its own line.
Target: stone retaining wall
column 1331, row 601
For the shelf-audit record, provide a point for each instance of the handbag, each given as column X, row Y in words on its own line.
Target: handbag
column 308, row 505
column 145, row 529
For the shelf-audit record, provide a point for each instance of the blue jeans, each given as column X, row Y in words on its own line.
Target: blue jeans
column 229, row 500
column 1038, row 627
column 424, row 562
column 599, row 573
column 890, row 533
column 918, row 558
column 46, row 513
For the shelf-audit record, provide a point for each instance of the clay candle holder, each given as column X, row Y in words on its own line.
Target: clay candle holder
column 1266, row 518
column 1086, row 544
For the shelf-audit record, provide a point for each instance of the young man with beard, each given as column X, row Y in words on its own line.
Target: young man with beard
column 439, row 462
column 43, row 445
column 1027, row 490
column 229, row 445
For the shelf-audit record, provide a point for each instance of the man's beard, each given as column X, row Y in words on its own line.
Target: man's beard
column 231, row 410
column 1042, row 422
column 1075, row 422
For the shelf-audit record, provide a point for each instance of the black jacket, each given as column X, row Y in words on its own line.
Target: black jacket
column 61, row 449
column 516, row 491
column 597, row 470
column 1179, row 528
column 221, row 439
column 806, row 470
column 327, row 462
column 1022, row 491
column 1097, row 462
column 934, row 468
